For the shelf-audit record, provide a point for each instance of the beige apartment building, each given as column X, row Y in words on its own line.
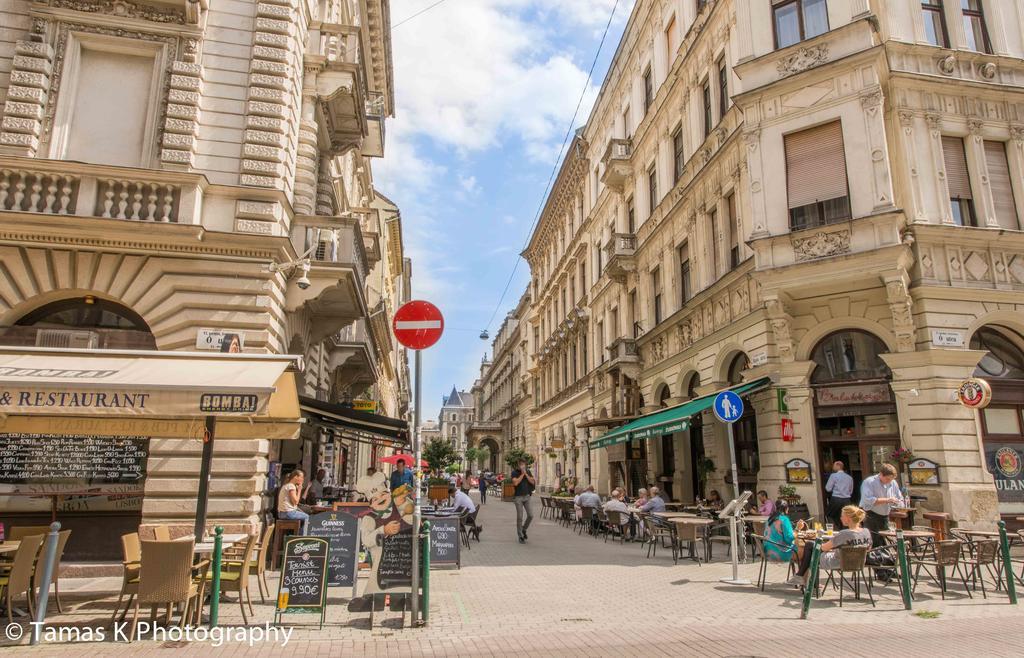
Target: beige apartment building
column 189, row 175
column 821, row 199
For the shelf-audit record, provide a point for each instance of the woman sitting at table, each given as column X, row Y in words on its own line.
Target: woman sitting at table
column 641, row 498
column 715, row 499
column 288, row 499
column 779, row 530
column 854, row 535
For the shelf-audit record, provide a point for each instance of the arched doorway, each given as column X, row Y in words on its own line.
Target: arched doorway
column 698, row 468
column 854, row 411
column 667, row 453
column 491, row 460
column 1002, row 422
column 82, row 323
column 748, row 456
column 97, row 514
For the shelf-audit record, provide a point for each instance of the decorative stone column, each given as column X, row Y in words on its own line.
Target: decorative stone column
column 874, row 127
column 181, row 124
column 934, row 425
column 26, row 95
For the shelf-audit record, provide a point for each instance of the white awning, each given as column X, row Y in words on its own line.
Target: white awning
column 86, row 391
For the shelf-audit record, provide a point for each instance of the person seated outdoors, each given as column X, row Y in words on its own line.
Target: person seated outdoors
column 315, row 489
column 764, row 505
column 641, row 498
column 655, row 504
column 854, row 535
column 715, row 499
column 588, row 498
column 779, row 530
column 616, row 503
column 463, row 503
column 288, row 499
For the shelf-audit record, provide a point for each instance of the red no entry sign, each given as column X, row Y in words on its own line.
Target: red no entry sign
column 418, row 325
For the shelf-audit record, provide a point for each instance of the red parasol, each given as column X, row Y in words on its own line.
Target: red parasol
column 408, row 459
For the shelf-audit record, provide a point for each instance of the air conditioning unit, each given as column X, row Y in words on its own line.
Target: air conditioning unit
column 69, row 338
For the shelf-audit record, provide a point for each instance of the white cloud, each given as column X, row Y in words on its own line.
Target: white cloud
column 468, row 184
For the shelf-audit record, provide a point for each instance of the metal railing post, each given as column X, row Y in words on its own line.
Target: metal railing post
column 901, row 551
column 1004, row 549
column 218, row 545
column 812, row 579
column 47, row 578
column 425, row 538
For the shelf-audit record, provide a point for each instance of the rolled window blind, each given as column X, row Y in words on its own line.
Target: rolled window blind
column 957, row 177
column 815, row 165
column 999, row 181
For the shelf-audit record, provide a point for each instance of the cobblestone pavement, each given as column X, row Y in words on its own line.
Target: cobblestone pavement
column 567, row 595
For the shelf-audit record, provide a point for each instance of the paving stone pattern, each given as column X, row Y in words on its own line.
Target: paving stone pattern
column 567, row 595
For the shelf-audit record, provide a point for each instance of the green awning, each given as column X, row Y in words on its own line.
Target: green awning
column 671, row 420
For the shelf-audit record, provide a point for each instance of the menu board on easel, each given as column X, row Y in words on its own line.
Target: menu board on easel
column 342, row 532
column 303, row 584
column 444, row 542
column 395, row 570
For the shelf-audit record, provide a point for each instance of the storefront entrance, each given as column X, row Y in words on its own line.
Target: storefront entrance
column 854, row 410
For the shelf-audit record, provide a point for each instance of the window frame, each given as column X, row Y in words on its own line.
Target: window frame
column 706, row 104
column 979, row 14
column 656, row 295
column 685, row 273
column 678, row 154
column 648, row 82
column 652, row 188
column 723, row 88
column 800, row 19
column 936, row 7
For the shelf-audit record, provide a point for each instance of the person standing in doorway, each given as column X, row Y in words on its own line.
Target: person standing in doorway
column 840, row 492
column 878, row 495
column 524, row 483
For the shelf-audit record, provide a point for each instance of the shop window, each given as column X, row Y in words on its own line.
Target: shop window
column 934, row 23
column 82, row 323
column 1004, row 358
column 958, row 181
column 797, row 20
column 1002, row 420
column 816, row 181
column 849, row 356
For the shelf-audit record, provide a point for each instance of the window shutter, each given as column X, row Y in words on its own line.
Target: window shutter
column 815, row 165
column 957, row 178
column 999, row 181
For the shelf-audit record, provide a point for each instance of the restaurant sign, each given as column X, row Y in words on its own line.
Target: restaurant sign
column 1006, row 463
column 65, row 398
column 831, row 396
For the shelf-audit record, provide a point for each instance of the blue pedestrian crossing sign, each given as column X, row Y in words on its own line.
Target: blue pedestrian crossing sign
column 728, row 407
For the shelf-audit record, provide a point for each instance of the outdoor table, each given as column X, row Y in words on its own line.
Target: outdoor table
column 909, row 534
column 9, row 547
column 940, row 523
column 991, row 534
column 206, row 546
column 903, row 517
column 678, row 507
column 669, row 516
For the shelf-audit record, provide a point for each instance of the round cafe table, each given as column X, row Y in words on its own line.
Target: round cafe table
column 909, row 534
column 9, row 547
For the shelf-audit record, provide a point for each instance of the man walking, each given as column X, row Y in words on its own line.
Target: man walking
column 878, row 495
column 524, row 483
column 840, row 490
column 483, row 488
column 400, row 475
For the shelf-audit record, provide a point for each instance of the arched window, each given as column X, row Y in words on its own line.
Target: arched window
column 454, row 431
column 691, row 387
column 848, row 356
column 81, row 322
column 1004, row 358
column 739, row 363
column 663, row 396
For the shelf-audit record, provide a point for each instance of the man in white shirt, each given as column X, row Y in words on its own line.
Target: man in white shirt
column 840, row 490
column 462, row 500
column 617, row 504
column 878, row 495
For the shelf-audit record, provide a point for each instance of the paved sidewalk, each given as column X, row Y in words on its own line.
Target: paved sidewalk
column 566, row 595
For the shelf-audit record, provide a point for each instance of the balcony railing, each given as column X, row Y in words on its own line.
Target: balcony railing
column 620, row 255
column 623, row 350
column 618, row 168
column 337, row 240
column 47, row 187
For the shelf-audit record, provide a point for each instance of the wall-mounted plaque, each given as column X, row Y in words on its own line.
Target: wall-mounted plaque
column 798, row 471
column 923, row 471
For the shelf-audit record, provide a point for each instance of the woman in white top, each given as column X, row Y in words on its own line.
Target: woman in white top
column 289, row 496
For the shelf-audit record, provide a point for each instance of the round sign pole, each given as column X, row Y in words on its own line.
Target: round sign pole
column 728, row 408
column 417, row 325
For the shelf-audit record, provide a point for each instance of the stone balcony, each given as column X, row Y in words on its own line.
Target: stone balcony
column 620, row 256
column 622, row 350
column 373, row 145
column 337, row 272
column 33, row 186
column 340, row 83
column 617, row 162
column 351, row 357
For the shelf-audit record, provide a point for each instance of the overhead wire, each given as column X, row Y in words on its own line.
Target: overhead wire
column 554, row 169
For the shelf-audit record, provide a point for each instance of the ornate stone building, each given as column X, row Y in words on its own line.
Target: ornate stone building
column 826, row 194
column 172, row 171
column 456, row 416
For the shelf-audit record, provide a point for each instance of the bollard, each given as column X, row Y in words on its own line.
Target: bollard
column 901, row 550
column 47, row 578
column 425, row 538
column 218, row 544
column 1004, row 546
column 812, row 580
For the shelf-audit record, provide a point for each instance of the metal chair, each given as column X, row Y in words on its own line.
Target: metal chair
column 16, row 579
column 657, row 532
column 852, row 560
column 945, row 554
column 614, row 522
column 762, row 575
column 983, row 555
column 586, row 520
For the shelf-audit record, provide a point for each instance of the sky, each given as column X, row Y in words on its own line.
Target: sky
column 484, row 93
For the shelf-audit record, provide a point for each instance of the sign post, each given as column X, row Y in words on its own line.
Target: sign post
column 417, row 325
column 728, row 408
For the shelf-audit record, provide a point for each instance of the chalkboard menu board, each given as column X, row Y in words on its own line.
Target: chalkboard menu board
column 304, row 576
column 341, row 530
column 444, row 542
column 85, row 460
column 395, row 569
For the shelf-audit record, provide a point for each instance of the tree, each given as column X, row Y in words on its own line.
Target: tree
column 516, row 455
column 439, row 454
column 477, row 456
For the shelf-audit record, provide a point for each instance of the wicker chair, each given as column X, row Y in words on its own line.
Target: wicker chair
column 762, row 574
column 545, row 507
column 690, row 534
column 131, row 554
column 586, row 520
column 16, row 579
column 945, row 554
column 162, row 533
column 165, row 578
column 17, row 533
column 852, row 560
column 984, row 555
column 234, row 576
column 259, row 559
column 62, row 541
column 614, row 524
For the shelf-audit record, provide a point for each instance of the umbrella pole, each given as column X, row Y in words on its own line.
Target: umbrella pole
column 204, row 477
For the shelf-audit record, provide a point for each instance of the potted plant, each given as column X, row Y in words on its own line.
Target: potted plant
column 512, row 459
column 439, row 455
column 788, row 493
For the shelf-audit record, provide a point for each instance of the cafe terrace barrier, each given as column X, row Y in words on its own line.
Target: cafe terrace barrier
column 47, row 578
column 1004, row 546
column 812, row 581
column 901, row 552
column 425, row 553
column 218, row 550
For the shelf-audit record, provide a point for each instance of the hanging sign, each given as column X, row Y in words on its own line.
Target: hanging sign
column 783, row 397
column 365, row 405
column 923, row 471
column 303, row 585
column 974, row 393
column 798, row 471
column 788, row 433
